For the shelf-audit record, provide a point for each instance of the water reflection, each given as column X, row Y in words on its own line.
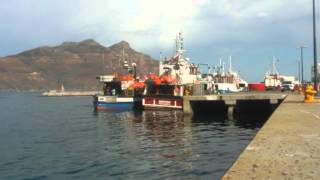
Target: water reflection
column 159, row 129
column 174, row 145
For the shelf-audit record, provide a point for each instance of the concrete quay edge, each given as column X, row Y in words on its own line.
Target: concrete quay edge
column 286, row 147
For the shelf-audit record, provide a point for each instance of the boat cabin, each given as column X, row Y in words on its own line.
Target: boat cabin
column 111, row 85
column 112, row 88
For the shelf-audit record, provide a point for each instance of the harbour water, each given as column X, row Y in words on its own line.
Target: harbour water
column 63, row 138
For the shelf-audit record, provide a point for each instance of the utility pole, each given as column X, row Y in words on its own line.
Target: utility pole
column 301, row 56
column 299, row 71
column 315, row 64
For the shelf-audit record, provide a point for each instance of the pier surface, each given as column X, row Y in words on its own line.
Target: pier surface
column 286, row 147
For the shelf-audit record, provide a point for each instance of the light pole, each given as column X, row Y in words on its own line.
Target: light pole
column 299, row 70
column 301, row 56
column 315, row 69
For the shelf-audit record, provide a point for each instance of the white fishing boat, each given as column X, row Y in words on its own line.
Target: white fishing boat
column 274, row 81
column 176, row 76
column 230, row 81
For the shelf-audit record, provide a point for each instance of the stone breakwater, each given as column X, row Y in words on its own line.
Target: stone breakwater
column 69, row 93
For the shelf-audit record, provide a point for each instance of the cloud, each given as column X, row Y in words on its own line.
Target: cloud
column 145, row 23
column 158, row 21
column 212, row 28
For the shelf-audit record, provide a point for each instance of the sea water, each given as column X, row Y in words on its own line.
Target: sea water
column 64, row 138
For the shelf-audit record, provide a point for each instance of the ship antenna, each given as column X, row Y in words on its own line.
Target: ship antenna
column 179, row 44
column 274, row 67
column 223, row 67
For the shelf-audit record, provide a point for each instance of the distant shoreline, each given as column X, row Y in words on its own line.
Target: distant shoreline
column 39, row 91
column 54, row 93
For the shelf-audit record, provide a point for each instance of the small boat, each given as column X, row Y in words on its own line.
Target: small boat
column 228, row 82
column 119, row 93
column 274, row 81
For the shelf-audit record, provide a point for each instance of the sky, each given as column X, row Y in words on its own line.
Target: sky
column 251, row 31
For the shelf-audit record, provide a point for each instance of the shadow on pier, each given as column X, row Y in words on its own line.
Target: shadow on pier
column 245, row 113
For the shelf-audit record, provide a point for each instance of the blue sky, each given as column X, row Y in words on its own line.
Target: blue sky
column 251, row 31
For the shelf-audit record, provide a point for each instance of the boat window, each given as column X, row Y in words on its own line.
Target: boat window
column 112, row 88
column 193, row 70
column 166, row 89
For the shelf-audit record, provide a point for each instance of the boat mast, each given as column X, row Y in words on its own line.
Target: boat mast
column 220, row 67
column 315, row 64
column 223, row 72
column 160, row 63
column 274, row 70
column 179, row 44
column 230, row 64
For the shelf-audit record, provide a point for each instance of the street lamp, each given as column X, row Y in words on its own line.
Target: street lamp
column 301, row 57
column 299, row 72
column 315, row 64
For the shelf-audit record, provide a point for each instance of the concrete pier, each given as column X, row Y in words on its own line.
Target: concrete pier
column 286, row 147
column 230, row 99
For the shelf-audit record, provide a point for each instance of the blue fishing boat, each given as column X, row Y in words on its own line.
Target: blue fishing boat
column 115, row 103
column 118, row 94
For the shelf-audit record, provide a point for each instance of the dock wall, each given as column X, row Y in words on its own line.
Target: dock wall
column 232, row 104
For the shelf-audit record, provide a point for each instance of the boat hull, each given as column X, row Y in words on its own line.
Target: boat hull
column 227, row 88
column 116, row 103
column 257, row 87
column 162, row 102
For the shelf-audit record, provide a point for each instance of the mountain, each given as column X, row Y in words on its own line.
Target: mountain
column 75, row 64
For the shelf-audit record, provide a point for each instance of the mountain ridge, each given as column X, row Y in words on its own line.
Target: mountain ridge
column 75, row 64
